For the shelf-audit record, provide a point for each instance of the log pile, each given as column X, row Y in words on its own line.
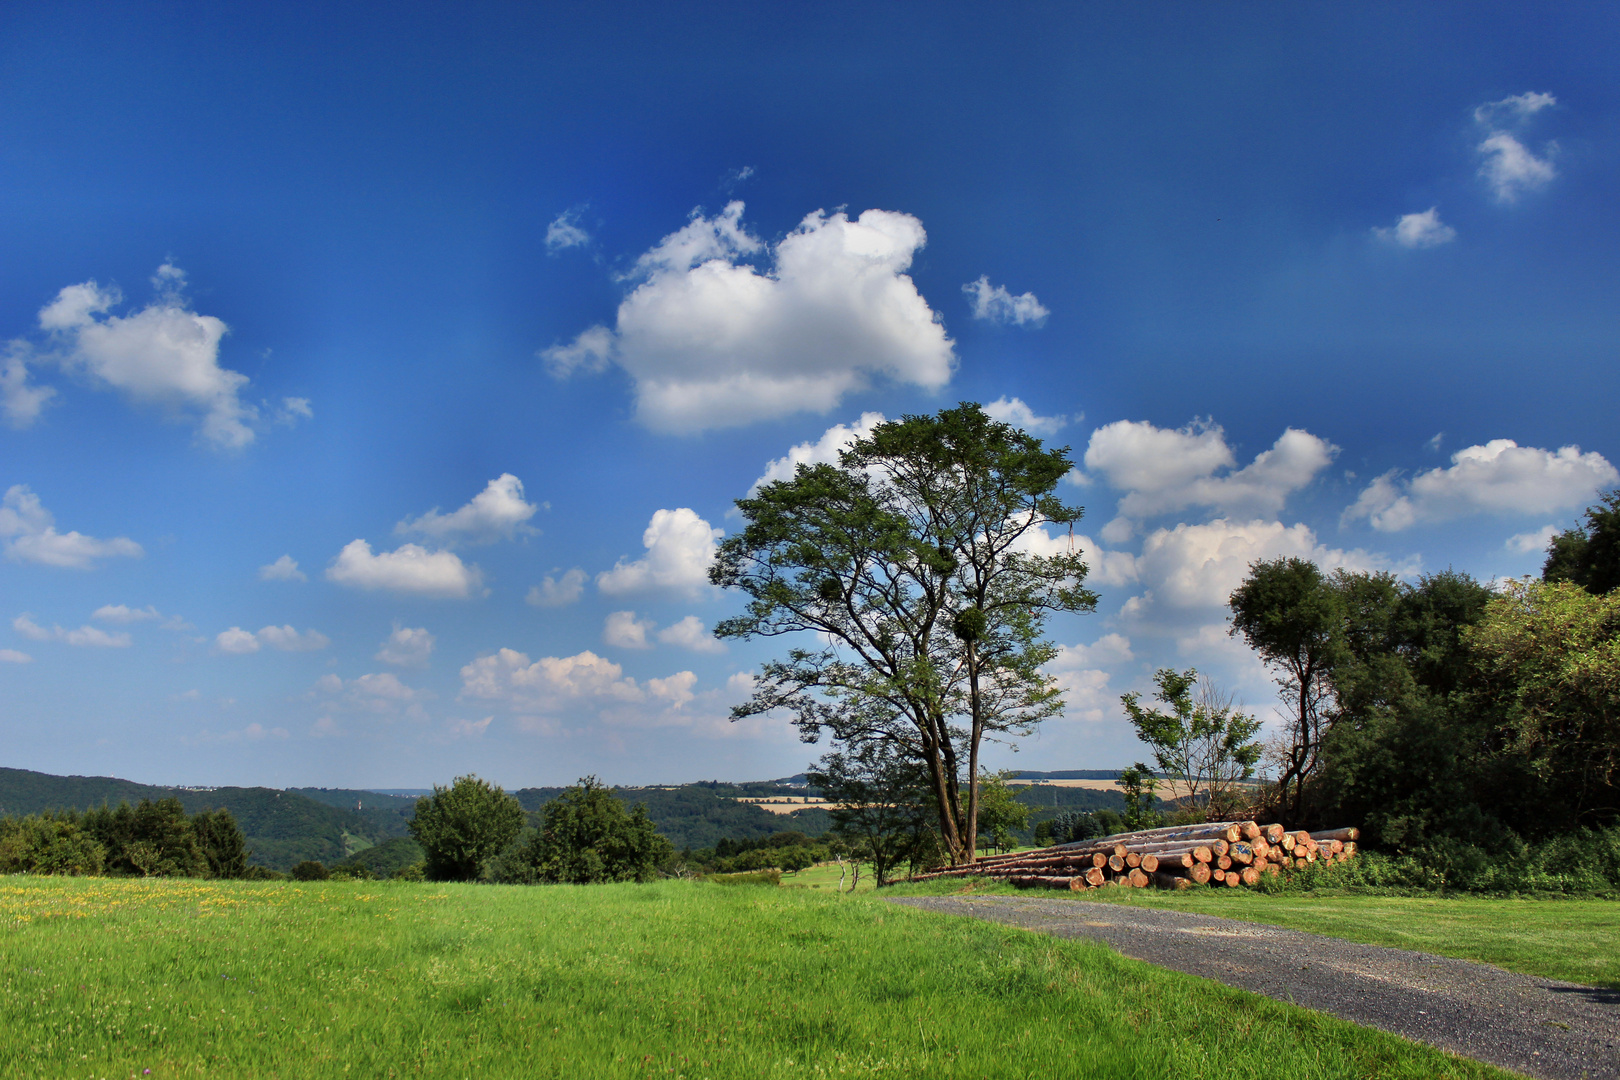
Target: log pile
column 1232, row 854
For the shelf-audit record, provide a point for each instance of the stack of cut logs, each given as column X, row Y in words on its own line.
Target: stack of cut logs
column 1229, row 853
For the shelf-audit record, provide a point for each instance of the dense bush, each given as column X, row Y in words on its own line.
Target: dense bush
column 150, row 839
column 463, row 827
column 1585, row 863
column 310, row 870
column 586, row 836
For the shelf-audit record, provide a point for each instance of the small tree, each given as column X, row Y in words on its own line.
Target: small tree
column 1138, row 784
column 464, row 826
column 587, row 836
column 1291, row 614
column 1207, row 742
column 1000, row 812
column 881, row 804
column 224, row 848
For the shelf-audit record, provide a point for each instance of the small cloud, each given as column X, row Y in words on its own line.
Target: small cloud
column 1511, row 169
column 1432, row 444
column 292, row 410
column 1526, row 542
column 993, row 303
column 236, row 642
column 589, row 352
column 566, row 232
column 623, row 630
column 84, row 637
column 409, row 569
column 558, row 592
column 1013, row 411
column 690, row 633
column 239, row 642
column 188, row 695
column 20, row 402
column 28, row 531
column 680, row 546
column 499, row 512
column 1423, row 230
column 283, row 569
column 468, row 729
column 123, row 614
column 325, row 728
column 12, row 656
column 407, row 647
column 1512, row 110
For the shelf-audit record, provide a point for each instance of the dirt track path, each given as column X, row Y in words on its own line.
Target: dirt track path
column 1540, row 1027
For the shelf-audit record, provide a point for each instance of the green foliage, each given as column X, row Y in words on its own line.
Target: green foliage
column 885, row 810
column 310, row 870
column 462, row 827
column 224, row 848
column 1208, row 743
column 385, row 859
column 1588, row 557
column 1137, row 783
column 1001, row 815
column 151, row 839
column 586, row 836
column 697, row 815
column 905, row 560
column 1073, row 826
column 49, row 844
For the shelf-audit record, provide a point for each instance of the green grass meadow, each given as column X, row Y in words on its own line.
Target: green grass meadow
column 112, row 978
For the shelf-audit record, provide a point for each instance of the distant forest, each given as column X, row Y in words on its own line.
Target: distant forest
column 338, row 825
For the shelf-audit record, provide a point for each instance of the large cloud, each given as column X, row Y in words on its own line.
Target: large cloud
column 680, row 546
column 499, row 512
column 164, row 354
column 1163, row 470
column 408, row 569
column 712, row 341
column 580, row 684
column 1197, row 566
column 28, row 531
column 1499, row 477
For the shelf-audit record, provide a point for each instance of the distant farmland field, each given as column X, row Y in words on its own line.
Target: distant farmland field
column 115, row 977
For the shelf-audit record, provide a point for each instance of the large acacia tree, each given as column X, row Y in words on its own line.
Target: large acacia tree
column 916, row 562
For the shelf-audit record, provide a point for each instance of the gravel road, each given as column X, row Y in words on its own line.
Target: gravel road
column 1541, row 1027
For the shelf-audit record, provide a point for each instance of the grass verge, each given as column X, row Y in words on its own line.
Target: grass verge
column 1569, row 939
column 109, row 978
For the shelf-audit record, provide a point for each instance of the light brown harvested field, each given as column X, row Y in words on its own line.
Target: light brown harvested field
column 788, row 804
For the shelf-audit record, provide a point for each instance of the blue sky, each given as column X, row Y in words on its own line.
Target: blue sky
column 377, row 380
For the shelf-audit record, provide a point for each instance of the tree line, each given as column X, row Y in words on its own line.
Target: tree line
column 150, row 839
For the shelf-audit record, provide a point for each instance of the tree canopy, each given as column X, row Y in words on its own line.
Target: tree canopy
column 922, row 563
column 1588, row 556
column 464, row 826
column 587, row 836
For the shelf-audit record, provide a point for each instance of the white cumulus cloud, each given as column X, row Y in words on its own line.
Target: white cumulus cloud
column 283, row 569
column 407, row 647
column 164, row 354
column 711, row 340
column 408, row 569
column 993, row 303
column 21, row 402
column 1500, row 477
column 623, row 630
column 1103, row 567
column 583, row 686
column 283, row 638
column 499, row 512
column 1423, row 230
column 124, row 614
column 1013, row 411
column 1513, row 110
column 1163, row 470
column 822, row 451
column 28, row 531
column 1526, row 542
column 690, row 633
column 558, row 591
column 680, row 546
column 85, row 636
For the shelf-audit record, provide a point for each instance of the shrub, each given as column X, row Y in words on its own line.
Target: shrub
column 310, row 870
column 49, row 844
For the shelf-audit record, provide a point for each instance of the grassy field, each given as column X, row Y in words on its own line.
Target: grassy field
column 1574, row 940
column 825, row 876
column 112, row 978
